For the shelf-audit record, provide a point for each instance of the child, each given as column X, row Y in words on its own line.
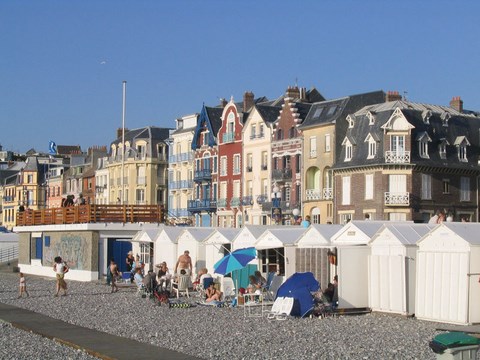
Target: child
column 23, row 286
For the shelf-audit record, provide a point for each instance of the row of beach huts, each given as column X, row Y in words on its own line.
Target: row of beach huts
column 430, row 271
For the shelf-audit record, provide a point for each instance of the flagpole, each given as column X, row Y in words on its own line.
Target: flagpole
column 123, row 140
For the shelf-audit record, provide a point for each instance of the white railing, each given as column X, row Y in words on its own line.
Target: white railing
column 327, row 193
column 396, row 157
column 313, row 194
column 397, row 198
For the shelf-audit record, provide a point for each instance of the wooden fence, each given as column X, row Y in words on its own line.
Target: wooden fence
column 82, row 214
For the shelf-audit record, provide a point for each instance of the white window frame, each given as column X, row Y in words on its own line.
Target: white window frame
column 223, row 166
column 464, row 188
column 327, row 143
column 423, row 147
column 313, row 146
column 369, row 186
column 236, row 164
column 426, row 187
column 462, row 152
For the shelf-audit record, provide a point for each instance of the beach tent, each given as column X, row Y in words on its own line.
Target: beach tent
column 191, row 239
column 279, row 243
column 300, row 287
column 165, row 248
column 448, row 268
column 312, row 252
column 351, row 262
column 391, row 285
column 217, row 245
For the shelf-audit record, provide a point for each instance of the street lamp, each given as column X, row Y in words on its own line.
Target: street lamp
column 276, row 210
column 296, row 214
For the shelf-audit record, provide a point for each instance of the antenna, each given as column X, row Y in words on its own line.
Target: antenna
column 405, row 95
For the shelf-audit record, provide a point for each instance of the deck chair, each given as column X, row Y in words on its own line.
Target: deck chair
column 201, row 288
column 267, row 293
column 285, row 309
column 181, row 285
column 126, row 277
column 228, row 288
column 276, row 307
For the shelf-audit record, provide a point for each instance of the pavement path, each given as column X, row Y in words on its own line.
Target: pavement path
column 96, row 343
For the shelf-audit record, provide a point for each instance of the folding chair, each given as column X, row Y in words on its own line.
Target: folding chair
column 228, row 288
column 276, row 307
column 181, row 285
column 267, row 293
column 285, row 309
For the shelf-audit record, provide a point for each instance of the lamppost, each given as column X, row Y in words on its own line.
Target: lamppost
column 296, row 213
column 276, row 209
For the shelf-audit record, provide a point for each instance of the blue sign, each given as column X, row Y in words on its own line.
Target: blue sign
column 52, row 148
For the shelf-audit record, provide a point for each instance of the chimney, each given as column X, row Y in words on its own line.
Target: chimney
column 248, row 100
column 393, row 96
column 223, row 102
column 293, row 92
column 119, row 132
column 457, row 104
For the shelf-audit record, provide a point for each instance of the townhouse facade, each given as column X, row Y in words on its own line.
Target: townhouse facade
column 401, row 160
column 180, row 170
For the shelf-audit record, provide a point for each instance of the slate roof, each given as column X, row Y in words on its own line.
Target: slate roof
column 68, row 149
column 152, row 134
column 215, row 114
column 269, row 114
column 458, row 125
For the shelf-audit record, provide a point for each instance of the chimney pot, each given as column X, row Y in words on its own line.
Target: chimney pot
column 393, row 96
column 248, row 100
column 457, row 103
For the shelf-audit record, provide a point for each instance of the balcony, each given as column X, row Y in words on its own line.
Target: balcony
column 221, row 203
column 177, row 213
column 141, row 180
column 228, row 137
column 313, row 194
column 203, row 175
column 195, row 206
column 327, row 194
column 249, row 169
column 182, row 157
column 282, row 174
column 235, row 202
column 181, row 184
column 397, row 198
column 397, row 157
column 247, row 200
column 261, row 199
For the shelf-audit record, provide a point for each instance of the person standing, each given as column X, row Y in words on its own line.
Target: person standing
column 129, row 261
column 184, row 262
column 60, row 268
column 22, row 286
column 306, row 222
column 114, row 275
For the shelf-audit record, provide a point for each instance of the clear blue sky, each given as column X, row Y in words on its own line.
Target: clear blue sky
column 62, row 63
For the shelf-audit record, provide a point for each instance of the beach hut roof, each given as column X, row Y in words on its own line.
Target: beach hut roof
column 257, row 230
column 199, row 234
column 148, row 235
column 406, row 233
column 172, row 232
column 279, row 237
column 318, row 234
column 467, row 231
column 222, row 236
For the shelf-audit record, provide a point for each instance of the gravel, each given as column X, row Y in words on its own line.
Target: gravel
column 215, row 333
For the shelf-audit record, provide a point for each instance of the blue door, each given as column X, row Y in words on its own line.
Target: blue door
column 118, row 250
column 38, row 248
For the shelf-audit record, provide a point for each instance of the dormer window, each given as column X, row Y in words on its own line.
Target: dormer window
column 372, row 146
column 445, row 117
column 351, row 121
column 426, row 115
column 423, row 140
column 442, row 149
column 461, row 143
column 371, row 118
column 348, row 149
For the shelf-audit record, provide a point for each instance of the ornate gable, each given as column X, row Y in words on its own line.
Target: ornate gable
column 397, row 122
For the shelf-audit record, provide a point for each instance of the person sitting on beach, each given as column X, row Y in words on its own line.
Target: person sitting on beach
column 260, row 279
column 149, row 281
column 212, row 294
column 138, row 278
column 163, row 276
column 329, row 292
column 254, row 287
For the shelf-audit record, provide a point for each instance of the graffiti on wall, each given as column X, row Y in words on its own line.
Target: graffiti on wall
column 73, row 248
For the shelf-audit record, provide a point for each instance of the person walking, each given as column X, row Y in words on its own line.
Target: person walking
column 60, row 268
column 22, row 286
column 114, row 275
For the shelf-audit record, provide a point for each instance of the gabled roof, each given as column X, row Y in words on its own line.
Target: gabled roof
column 222, row 236
column 357, row 232
column 407, row 234
column 467, row 231
column 199, row 234
column 317, row 235
column 279, row 237
column 148, row 132
column 172, row 232
column 212, row 119
column 269, row 114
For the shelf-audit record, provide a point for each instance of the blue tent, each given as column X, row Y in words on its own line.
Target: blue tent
column 300, row 286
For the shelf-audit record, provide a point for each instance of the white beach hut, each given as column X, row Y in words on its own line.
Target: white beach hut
column 248, row 236
column 143, row 245
column 191, row 239
column 448, row 272
column 276, row 248
column 352, row 262
column 312, row 251
column 166, row 246
column 391, row 285
column 217, row 245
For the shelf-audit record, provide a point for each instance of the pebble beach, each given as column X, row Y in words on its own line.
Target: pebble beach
column 207, row 332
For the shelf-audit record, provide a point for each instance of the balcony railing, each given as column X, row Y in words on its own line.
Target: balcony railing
column 181, row 184
column 228, row 137
column 182, row 157
column 235, row 201
column 202, row 205
column 313, row 194
column 222, row 203
column 202, row 175
column 247, row 200
column 281, row 174
column 327, row 193
column 90, row 214
column 396, row 157
column 181, row 212
column 397, row 198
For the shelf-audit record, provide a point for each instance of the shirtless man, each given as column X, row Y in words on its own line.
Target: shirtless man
column 184, row 262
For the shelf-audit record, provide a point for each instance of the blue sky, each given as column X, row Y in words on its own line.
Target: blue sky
column 62, row 63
